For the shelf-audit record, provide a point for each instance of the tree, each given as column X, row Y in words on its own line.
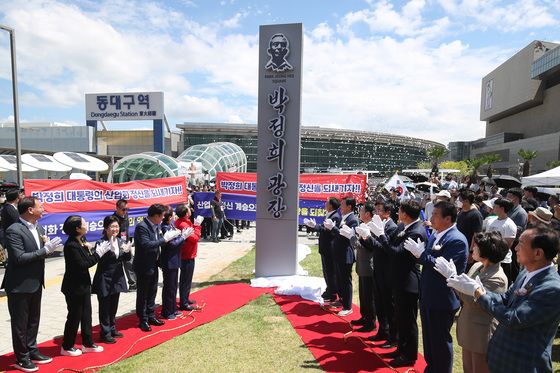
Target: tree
column 436, row 154
column 552, row 164
column 475, row 164
column 489, row 159
column 462, row 166
column 527, row 155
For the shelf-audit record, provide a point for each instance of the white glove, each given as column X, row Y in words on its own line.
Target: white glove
column 464, row 284
column 311, row 223
column 127, row 247
column 416, row 248
column 198, row 220
column 185, row 233
column 328, row 224
column 102, row 248
column 376, row 226
column 53, row 245
column 446, row 268
column 171, row 234
column 347, row 232
column 363, row 231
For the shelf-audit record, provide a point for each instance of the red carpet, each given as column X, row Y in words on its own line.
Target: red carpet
column 220, row 300
column 323, row 333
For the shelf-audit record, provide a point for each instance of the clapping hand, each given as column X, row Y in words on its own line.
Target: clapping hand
column 376, row 226
column 347, row 232
column 464, row 284
column 363, row 231
column 127, row 247
column 446, row 268
column 198, row 220
column 416, row 248
column 185, row 233
column 53, row 245
column 102, row 248
column 171, row 234
column 328, row 224
column 311, row 223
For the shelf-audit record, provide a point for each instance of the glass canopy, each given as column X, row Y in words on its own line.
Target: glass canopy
column 216, row 157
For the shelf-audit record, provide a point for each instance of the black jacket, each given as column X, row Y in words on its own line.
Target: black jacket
column 25, row 272
column 109, row 276
column 325, row 236
column 78, row 259
column 147, row 246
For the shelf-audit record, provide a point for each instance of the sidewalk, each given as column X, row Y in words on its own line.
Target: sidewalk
column 211, row 259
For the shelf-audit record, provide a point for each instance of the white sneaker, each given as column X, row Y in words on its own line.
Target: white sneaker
column 70, row 352
column 345, row 312
column 92, row 348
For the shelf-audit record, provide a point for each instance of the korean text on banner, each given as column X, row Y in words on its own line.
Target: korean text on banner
column 86, row 195
column 311, row 186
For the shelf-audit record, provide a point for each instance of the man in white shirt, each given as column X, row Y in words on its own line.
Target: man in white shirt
column 507, row 228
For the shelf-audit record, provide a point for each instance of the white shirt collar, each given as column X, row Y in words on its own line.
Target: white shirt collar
column 439, row 235
column 408, row 225
column 345, row 216
column 330, row 214
column 28, row 224
column 532, row 274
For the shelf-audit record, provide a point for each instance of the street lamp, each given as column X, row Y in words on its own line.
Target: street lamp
column 15, row 99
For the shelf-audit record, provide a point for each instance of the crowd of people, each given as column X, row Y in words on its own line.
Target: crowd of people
column 486, row 253
column 166, row 238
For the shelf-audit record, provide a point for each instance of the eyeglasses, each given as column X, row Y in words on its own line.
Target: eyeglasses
column 123, row 208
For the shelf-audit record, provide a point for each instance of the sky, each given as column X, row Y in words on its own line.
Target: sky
column 402, row 67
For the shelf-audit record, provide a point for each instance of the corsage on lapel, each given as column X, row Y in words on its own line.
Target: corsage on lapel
column 401, row 234
column 524, row 290
column 45, row 239
column 436, row 247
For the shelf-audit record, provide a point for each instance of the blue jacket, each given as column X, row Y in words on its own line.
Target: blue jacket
column 342, row 249
column 325, row 236
column 147, row 250
column 171, row 251
column 434, row 292
column 527, row 325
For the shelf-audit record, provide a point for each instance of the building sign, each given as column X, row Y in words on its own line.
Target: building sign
column 124, row 106
column 489, row 95
column 280, row 66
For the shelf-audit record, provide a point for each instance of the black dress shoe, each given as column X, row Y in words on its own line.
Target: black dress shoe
column 40, row 358
column 359, row 321
column 391, row 355
column 401, row 361
column 380, row 336
column 109, row 340
column 155, row 322
column 145, row 327
column 187, row 308
column 366, row 328
column 26, row 365
column 117, row 334
column 388, row 344
column 191, row 301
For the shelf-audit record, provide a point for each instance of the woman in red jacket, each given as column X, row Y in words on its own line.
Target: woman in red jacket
column 188, row 253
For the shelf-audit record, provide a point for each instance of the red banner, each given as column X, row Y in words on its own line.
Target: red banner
column 86, row 195
column 311, row 186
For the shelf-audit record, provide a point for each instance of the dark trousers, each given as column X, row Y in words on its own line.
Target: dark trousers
column 344, row 279
column 129, row 272
column 169, row 292
column 25, row 314
column 79, row 314
column 108, row 307
column 367, row 306
column 436, row 336
column 383, row 299
column 329, row 273
column 146, row 295
column 185, row 282
column 406, row 309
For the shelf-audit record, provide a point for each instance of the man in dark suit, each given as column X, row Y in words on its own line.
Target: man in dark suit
column 325, row 248
column 405, row 280
column 24, row 280
column 438, row 303
column 121, row 213
column 9, row 214
column 148, row 238
column 343, row 253
column 529, row 312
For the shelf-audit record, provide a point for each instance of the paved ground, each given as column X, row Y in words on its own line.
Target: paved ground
column 211, row 259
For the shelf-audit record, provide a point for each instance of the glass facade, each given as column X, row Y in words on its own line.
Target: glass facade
column 216, row 157
column 322, row 148
column 144, row 166
column 545, row 64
